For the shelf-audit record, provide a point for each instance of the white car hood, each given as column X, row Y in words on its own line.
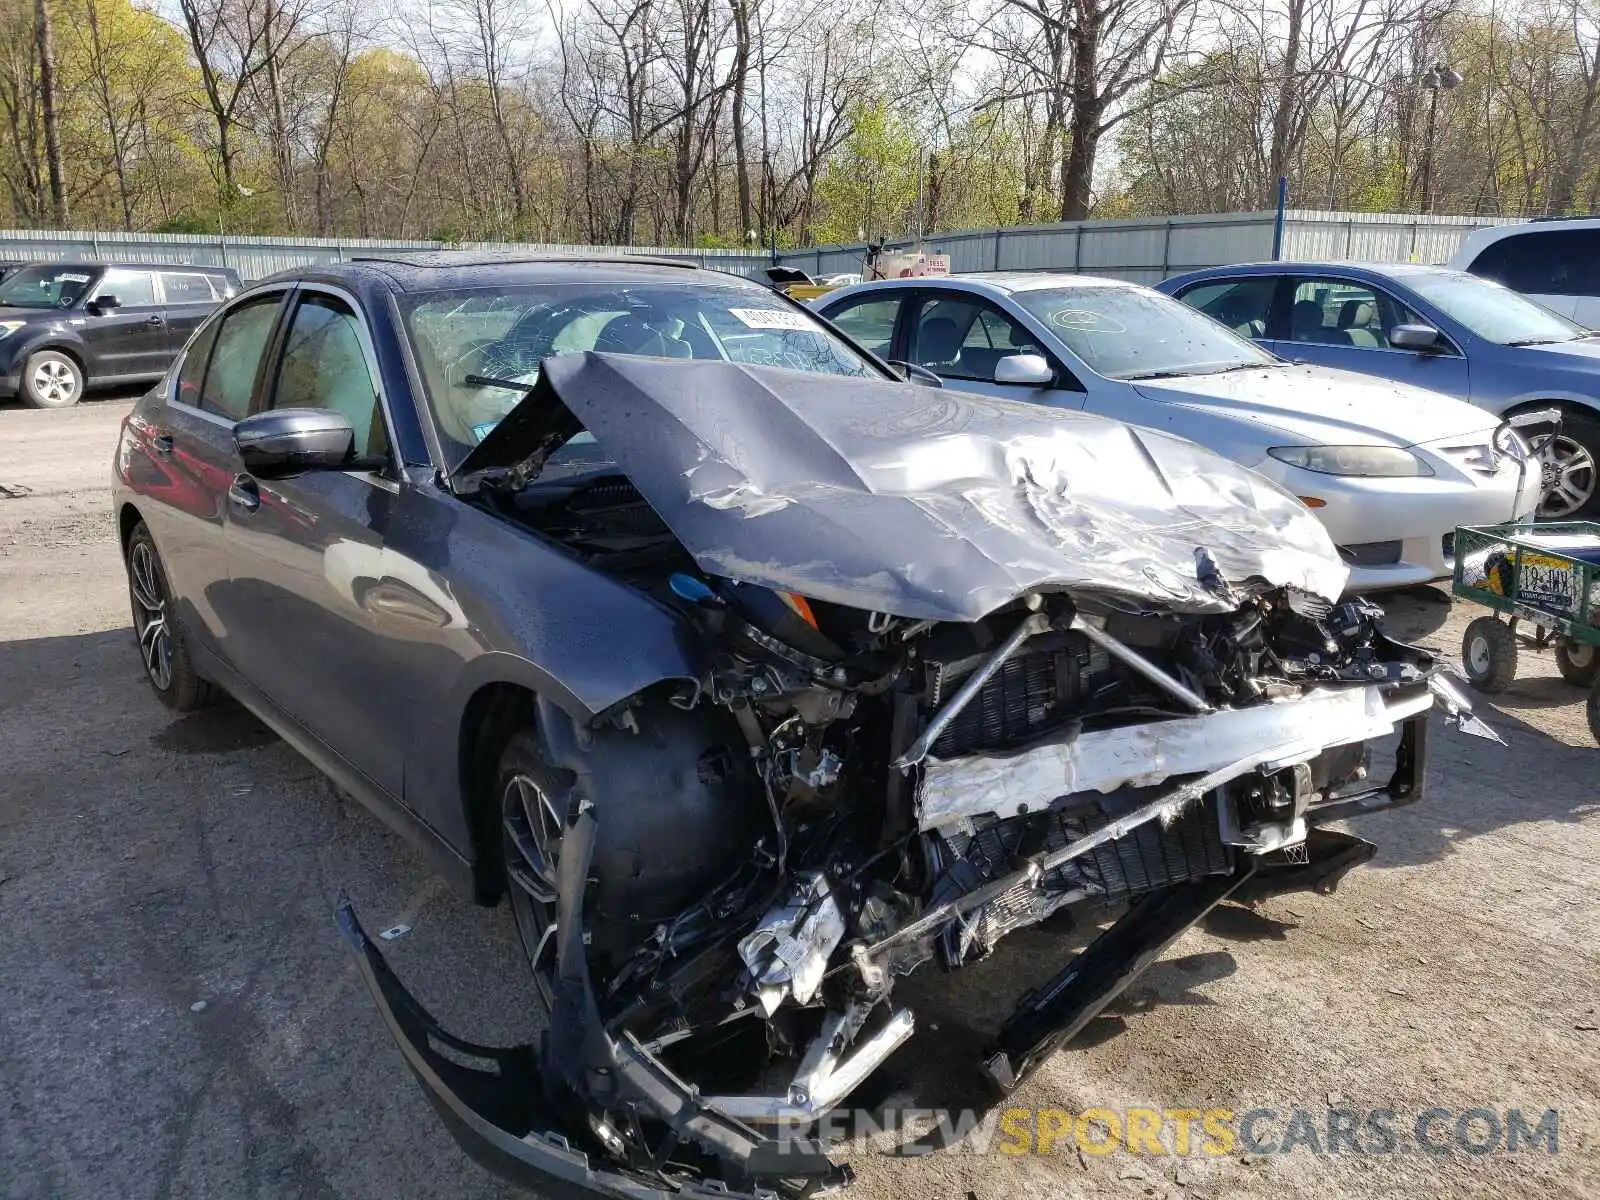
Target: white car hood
column 1325, row 406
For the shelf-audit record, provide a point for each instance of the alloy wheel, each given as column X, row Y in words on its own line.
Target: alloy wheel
column 150, row 614
column 54, row 381
column 1567, row 477
column 533, row 824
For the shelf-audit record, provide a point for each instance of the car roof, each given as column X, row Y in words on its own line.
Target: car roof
column 992, row 283
column 1290, row 267
column 120, row 265
column 449, row 269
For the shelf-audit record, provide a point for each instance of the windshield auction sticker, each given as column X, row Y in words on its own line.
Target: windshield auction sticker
column 771, row 318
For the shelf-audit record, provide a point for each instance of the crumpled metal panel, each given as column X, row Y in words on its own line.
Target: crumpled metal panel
column 929, row 503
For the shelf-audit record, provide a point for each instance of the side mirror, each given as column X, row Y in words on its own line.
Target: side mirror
column 1413, row 337
column 288, row 441
column 1026, row 370
column 101, row 305
column 914, row 373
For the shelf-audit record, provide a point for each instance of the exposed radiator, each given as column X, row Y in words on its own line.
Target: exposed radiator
column 1148, row 858
column 1036, row 689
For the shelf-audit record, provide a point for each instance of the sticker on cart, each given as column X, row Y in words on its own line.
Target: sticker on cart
column 771, row 318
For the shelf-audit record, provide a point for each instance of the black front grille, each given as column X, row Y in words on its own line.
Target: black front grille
column 1371, row 554
column 1034, row 691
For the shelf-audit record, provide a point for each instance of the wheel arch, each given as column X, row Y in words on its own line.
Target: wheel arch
column 76, row 351
column 128, row 516
column 494, row 712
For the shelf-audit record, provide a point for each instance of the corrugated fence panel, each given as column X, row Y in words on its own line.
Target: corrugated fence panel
column 1144, row 250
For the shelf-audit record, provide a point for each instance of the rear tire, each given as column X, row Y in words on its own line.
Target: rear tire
column 50, row 379
column 167, row 665
column 1489, row 654
column 1578, row 662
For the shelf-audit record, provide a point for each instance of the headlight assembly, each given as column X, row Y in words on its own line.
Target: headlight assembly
column 1371, row 462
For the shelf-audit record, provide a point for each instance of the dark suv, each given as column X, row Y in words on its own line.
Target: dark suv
column 65, row 327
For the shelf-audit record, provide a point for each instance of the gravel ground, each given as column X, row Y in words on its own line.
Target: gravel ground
column 178, row 1016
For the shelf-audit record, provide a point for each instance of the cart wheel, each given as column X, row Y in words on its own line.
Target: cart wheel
column 1578, row 662
column 1592, row 711
column 1489, row 655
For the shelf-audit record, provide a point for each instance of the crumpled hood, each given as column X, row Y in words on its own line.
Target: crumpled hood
column 1326, row 406
column 916, row 501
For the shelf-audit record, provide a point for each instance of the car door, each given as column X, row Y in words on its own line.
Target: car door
column 187, row 298
column 961, row 337
column 128, row 340
column 1338, row 321
column 193, row 456
column 308, row 610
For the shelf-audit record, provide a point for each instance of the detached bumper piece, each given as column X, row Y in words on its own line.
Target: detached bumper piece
column 502, row 1109
column 1052, row 1015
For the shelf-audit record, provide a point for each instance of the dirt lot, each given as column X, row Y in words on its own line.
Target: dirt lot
column 178, row 1016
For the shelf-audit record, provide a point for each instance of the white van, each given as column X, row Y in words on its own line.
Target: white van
column 1556, row 262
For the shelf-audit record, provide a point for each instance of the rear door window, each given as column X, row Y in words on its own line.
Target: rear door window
column 184, row 288
column 133, row 289
column 869, row 322
column 192, row 371
column 1243, row 305
column 241, row 341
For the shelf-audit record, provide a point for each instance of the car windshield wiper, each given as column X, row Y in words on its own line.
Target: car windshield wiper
column 490, row 381
column 1546, row 341
column 1181, row 372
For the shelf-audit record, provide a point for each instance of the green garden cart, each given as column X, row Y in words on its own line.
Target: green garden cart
column 1543, row 577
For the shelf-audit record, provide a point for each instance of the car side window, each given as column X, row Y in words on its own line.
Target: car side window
column 964, row 338
column 241, row 340
column 186, row 288
column 192, row 370
column 133, row 289
column 1243, row 305
column 869, row 322
column 1344, row 312
column 1544, row 262
column 324, row 365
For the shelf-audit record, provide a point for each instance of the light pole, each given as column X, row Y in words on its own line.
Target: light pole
column 1437, row 78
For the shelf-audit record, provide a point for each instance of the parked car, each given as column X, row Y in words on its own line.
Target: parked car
column 631, row 591
column 1556, row 262
column 68, row 327
column 1390, row 470
column 1434, row 327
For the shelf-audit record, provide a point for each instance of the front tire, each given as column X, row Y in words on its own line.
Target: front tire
column 1489, row 654
column 1578, row 662
column 50, row 379
column 1569, row 470
column 167, row 665
column 535, row 808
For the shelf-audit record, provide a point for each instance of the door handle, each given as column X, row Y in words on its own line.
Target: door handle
column 244, row 493
column 155, row 320
column 161, row 443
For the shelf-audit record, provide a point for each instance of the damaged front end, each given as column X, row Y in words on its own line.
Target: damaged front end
column 863, row 792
